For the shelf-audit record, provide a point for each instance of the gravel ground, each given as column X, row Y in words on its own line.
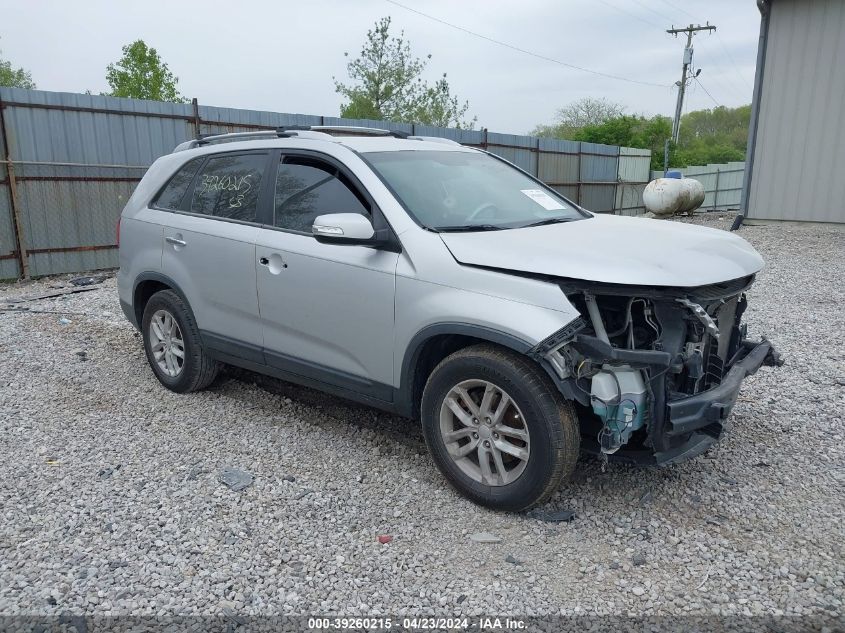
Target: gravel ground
column 111, row 503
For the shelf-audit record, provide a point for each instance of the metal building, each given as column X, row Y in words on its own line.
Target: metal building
column 796, row 149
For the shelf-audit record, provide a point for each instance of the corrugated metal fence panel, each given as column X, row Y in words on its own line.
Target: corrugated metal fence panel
column 707, row 177
column 225, row 120
column 466, row 137
column 634, row 164
column 599, row 164
column 520, row 150
column 559, row 165
column 633, row 174
column 730, row 186
column 67, row 207
column 63, row 214
column 53, row 134
column 9, row 263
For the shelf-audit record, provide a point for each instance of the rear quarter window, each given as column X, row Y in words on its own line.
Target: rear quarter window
column 172, row 195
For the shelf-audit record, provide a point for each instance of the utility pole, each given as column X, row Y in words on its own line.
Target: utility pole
column 682, row 85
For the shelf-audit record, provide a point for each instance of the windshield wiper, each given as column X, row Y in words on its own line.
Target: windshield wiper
column 548, row 221
column 468, row 227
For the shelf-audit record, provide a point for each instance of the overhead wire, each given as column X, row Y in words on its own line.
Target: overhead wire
column 707, row 92
column 527, row 52
column 718, row 37
column 632, row 15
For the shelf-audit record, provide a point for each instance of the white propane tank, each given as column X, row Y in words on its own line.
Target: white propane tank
column 662, row 196
column 694, row 194
column 667, row 196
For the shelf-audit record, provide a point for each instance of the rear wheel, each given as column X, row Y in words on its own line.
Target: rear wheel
column 497, row 428
column 173, row 345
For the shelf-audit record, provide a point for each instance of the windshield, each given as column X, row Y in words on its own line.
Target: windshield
column 468, row 191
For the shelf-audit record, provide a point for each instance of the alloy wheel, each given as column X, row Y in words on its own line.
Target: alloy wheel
column 166, row 343
column 484, row 432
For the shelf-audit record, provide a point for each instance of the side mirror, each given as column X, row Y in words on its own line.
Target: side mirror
column 347, row 228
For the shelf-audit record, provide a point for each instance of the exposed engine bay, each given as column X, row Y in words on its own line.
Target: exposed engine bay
column 654, row 371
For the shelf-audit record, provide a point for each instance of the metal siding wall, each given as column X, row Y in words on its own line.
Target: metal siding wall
column 800, row 119
column 599, row 164
column 520, row 150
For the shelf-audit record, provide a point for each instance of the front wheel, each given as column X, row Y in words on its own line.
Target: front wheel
column 497, row 428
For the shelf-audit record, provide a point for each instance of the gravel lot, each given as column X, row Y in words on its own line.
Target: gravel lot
column 111, row 503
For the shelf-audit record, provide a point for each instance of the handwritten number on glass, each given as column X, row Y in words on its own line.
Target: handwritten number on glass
column 237, row 186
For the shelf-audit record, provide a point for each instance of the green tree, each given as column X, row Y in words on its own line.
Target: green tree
column 719, row 135
column 141, row 74
column 385, row 83
column 440, row 108
column 15, row 78
column 630, row 131
column 580, row 114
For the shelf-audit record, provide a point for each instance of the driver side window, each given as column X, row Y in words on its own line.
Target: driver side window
column 307, row 188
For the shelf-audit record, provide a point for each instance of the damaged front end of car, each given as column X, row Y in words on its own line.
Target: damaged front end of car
column 654, row 371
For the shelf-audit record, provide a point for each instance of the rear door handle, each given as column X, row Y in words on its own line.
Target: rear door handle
column 175, row 240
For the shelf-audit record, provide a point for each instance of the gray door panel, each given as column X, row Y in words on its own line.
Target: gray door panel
column 327, row 305
column 215, row 268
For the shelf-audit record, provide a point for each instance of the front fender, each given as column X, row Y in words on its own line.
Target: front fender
column 425, row 310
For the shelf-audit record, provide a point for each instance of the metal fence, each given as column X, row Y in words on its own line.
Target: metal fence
column 69, row 162
column 634, row 169
column 722, row 183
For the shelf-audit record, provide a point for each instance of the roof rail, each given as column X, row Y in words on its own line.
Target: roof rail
column 434, row 139
column 325, row 132
column 355, row 130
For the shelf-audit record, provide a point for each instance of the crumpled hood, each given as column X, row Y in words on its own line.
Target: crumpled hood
column 613, row 249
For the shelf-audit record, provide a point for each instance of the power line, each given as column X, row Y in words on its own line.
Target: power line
column 718, row 37
column 726, row 81
column 662, row 16
column 698, row 81
column 631, row 15
column 527, row 52
column 674, row 6
column 733, row 63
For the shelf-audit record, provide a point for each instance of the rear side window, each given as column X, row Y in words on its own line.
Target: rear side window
column 228, row 187
column 171, row 196
column 307, row 188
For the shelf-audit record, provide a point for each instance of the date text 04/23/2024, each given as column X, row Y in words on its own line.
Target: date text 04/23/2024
column 417, row 623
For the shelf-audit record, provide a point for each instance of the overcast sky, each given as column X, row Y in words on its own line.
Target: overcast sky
column 282, row 55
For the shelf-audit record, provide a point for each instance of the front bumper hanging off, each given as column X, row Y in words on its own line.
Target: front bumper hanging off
column 681, row 426
column 705, row 414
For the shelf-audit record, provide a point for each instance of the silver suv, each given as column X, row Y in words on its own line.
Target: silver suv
column 441, row 283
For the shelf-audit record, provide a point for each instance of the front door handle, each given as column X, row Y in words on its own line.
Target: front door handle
column 175, row 241
column 274, row 263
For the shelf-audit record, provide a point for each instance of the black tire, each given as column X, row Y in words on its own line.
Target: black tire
column 550, row 420
column 198, row 369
